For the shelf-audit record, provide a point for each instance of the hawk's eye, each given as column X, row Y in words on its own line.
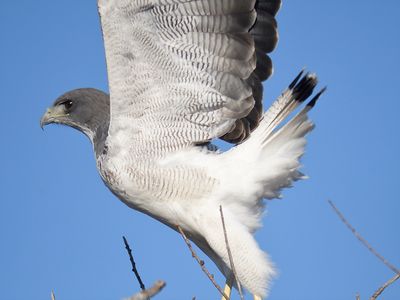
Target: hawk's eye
column 67, row 104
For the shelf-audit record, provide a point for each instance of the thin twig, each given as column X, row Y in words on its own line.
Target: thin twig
column 53, row 297
column 149, row 293
column 383, row 287
column 134, row 269
column 201, row 262
column 362, row 240
column 230, row 254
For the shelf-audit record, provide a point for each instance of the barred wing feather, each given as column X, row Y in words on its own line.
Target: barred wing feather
column 183, row 72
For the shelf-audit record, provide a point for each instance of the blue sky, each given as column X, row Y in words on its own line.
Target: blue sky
column 61, row 229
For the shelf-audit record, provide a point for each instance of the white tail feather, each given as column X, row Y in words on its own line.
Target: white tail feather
column 259, row 168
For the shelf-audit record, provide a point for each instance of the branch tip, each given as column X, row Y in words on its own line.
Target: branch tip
column 134, row 269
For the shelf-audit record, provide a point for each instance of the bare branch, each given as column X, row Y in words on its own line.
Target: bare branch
column 149, row 293
column 362, row 240
column 384, row 286
column 230, row 254
column 53, row 297
column 201, row 262
column 358, row 296
column 134, row 269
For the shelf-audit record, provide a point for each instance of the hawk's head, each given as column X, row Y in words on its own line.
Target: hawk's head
column 83, row 109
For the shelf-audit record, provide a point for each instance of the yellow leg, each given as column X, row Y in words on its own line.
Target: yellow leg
column 228, row 288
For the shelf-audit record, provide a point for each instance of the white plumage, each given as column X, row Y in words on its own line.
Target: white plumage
column 181, row 73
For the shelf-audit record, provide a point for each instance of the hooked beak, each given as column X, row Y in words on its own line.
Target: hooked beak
column 46, row 118
column 52, row 115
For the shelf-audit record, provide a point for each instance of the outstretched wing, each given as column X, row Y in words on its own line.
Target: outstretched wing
column 183, row 72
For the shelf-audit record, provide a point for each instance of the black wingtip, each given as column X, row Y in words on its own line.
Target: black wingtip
column 294, row 82
column 305, row 87
column 316, row 97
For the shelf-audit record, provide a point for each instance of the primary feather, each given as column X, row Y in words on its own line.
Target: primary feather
column 182, row 73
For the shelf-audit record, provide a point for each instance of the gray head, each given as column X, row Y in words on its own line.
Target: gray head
column 87, row 110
